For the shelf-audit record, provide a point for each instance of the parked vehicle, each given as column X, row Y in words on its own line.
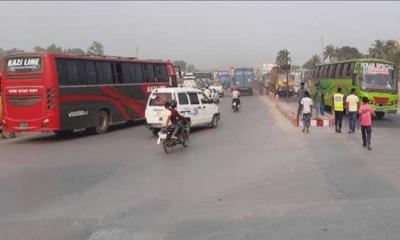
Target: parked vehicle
column 191, row 103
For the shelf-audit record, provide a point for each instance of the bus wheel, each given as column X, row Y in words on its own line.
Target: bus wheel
column 102, row 123
column 64, row 133
column 379, row 115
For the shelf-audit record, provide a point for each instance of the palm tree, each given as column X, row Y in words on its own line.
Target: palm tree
column 377, row 50
column 310, row 64
column 281, row 57
column 330, row 53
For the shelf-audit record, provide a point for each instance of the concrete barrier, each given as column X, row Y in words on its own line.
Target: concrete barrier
column 289, row 113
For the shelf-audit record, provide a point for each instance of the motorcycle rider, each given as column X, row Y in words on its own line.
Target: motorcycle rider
column 176, row 119
column 235, row 95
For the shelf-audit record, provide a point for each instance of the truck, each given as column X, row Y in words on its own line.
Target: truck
column 243, row 79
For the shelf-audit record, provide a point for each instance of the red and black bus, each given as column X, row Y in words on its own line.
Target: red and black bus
column 60, row 93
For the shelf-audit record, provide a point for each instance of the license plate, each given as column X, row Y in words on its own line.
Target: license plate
column 162, row 135
column 23, row 125
column 234, row 104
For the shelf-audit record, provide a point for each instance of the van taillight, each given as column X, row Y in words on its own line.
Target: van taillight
column 51, row 98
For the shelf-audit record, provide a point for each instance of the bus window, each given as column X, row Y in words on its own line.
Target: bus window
column 62, row 72
column 333, row 70
column 139, row 76
column 149, row 74
column 91, row 73
column 127, row 72
column 104, row 68
column 324, row 71
column 351, row 69
column 345, row 70
column 161, row 73
column 72, row 73
column 117, row 73
column 338, row 73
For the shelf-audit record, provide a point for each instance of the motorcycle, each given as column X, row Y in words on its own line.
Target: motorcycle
column 168, row 143
column 235, row 105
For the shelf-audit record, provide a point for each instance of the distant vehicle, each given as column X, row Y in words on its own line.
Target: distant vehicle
column 298, row 79
column 243, row 78
column 225, row 80
column 372, row 78
column 189, row 80
column 189, row 84
column 282, row 85
column 60, row 93
column 191, row 103
column 219, row 88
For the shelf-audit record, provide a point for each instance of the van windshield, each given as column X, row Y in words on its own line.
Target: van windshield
column 159, row 99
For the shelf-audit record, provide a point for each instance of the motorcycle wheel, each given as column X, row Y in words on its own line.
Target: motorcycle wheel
column 185, row 139
column 167, row 146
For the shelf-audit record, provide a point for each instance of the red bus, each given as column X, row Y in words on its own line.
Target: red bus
column 54, row 92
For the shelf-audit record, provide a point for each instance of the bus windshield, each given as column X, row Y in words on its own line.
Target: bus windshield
column 378, row 80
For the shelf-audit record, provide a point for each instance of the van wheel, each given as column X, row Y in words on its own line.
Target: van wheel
column 101, row 123
column 214, row 122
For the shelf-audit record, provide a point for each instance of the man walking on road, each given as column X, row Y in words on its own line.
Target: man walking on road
column 319, row 108
column 300, row 95
column 352, row 107
column 306, row 104
column 366, row 111
column 338, row 109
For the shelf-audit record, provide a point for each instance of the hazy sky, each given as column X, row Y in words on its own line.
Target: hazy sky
column 207, row 34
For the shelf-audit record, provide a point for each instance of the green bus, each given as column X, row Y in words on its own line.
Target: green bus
column 373, row 78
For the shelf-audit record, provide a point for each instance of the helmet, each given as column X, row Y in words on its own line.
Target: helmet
column 167, row 104
column 174, row 103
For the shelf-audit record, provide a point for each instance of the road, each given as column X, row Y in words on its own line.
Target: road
column 254, row 177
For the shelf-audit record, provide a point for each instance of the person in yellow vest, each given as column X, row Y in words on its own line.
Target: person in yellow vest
column 338, row 108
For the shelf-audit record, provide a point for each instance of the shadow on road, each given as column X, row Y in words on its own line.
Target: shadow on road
column 78, row 134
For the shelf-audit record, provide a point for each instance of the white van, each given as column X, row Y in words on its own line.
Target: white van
column 191, row 103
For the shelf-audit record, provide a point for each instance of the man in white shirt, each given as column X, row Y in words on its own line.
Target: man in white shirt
column 235, row 95
column 306, row 106
column 352, row 107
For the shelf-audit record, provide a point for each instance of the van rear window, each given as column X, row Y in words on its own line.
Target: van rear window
column 23, row 64
column 159, row 99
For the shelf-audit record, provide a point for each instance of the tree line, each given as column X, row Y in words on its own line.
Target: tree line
column 96, row 48
column 388, row 50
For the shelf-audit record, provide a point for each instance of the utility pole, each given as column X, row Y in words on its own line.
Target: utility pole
column 287, row 67
column 322, row 48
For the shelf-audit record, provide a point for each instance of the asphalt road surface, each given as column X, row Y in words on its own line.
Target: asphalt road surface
column 254, row 177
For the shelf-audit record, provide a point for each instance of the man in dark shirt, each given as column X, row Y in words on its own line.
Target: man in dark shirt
column 176, row 119
column 300, row 95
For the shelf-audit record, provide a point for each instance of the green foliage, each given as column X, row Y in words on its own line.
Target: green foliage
column 96, row 48
column 310, row 64
column 180, row 64
column 281, row 57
